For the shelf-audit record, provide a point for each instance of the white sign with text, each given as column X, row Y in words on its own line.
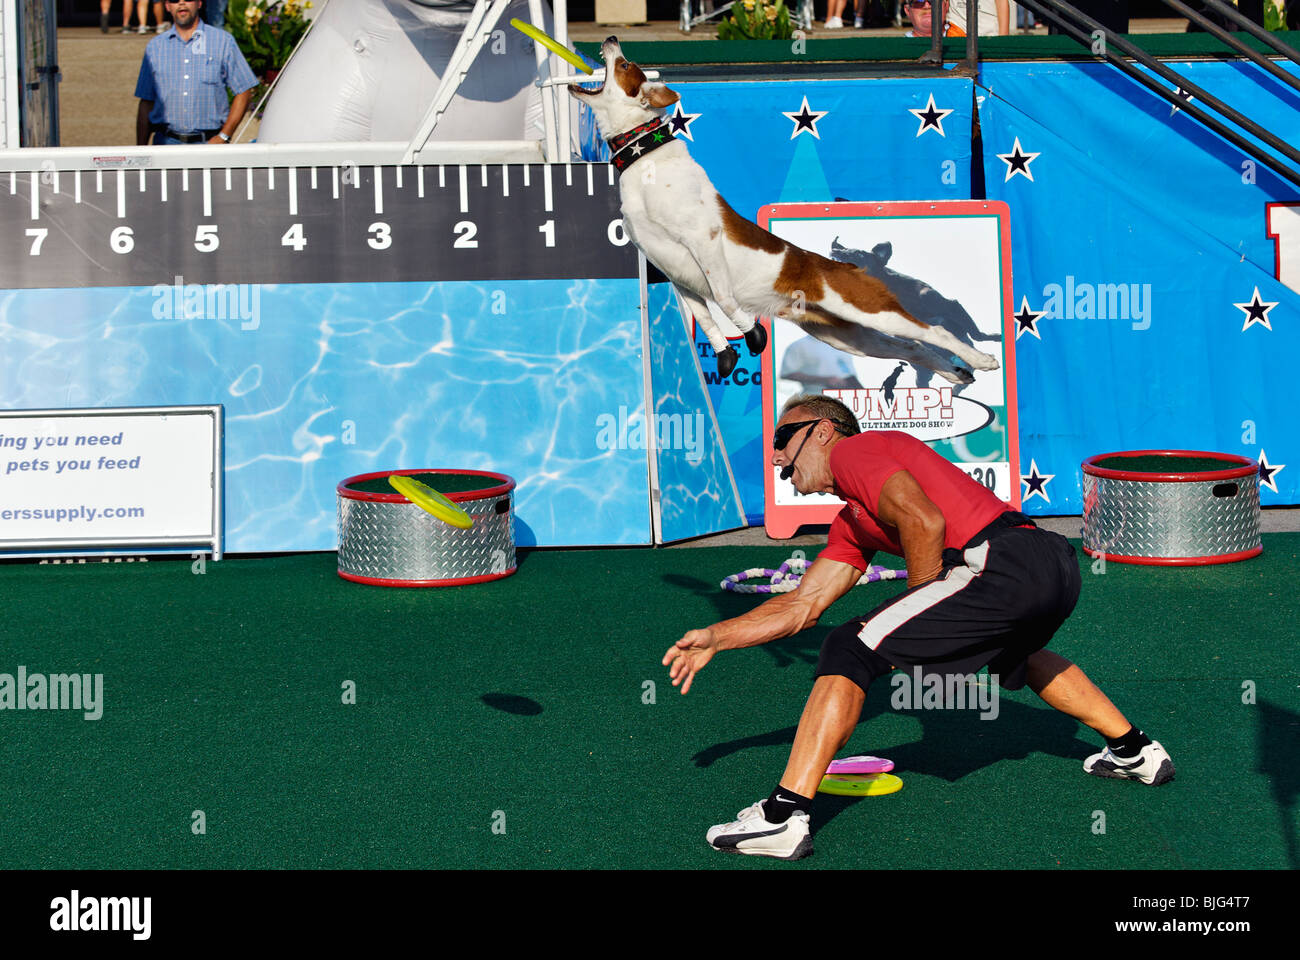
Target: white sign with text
column 110, row 477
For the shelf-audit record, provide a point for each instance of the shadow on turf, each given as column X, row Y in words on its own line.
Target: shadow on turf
column 1279, row 745
column 953, row 743
column 512, row 703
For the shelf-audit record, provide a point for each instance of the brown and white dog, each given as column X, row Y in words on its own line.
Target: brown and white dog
column 679, row 221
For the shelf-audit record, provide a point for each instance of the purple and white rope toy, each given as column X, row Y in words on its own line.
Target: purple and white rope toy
column 787, row 576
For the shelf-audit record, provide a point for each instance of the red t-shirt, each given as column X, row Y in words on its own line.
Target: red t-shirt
column 862, row 463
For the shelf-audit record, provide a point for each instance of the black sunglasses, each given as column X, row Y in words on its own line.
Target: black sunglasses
column 785, row 434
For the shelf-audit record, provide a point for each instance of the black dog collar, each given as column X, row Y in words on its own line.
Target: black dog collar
column 627, row 148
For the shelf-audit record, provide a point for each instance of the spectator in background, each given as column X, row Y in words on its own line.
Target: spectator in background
column 918, row 11
column 878, row 13
column 214, row 12
column 142, row 16
column 994, row 17
column 183, row 82
column 835, row 14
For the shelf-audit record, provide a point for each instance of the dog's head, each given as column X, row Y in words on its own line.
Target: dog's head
column 626, row 98
column 874, row 262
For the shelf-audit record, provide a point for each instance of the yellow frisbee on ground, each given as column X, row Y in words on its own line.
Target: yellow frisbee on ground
column 528, row 30
column 865, row 785
column 431, row 501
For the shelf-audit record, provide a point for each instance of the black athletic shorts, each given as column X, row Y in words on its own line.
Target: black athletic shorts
column 998, row 600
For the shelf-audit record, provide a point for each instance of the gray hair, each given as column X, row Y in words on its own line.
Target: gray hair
column 819, row 405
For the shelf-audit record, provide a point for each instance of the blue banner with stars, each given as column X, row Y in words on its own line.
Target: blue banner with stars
column 1156, row 271
column 815, row 140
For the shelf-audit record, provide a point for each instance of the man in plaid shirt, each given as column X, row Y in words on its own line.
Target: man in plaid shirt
column 183, row 81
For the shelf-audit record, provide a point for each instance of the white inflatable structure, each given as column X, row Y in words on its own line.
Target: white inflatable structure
column 369, row 69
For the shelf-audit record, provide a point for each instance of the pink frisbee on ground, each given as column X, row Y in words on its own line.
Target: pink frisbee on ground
column 860, row 765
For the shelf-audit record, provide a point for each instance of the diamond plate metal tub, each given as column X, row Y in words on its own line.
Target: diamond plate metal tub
column 387, row 540
column 1171, row 507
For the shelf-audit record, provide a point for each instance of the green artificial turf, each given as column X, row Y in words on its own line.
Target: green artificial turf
column 527, row 722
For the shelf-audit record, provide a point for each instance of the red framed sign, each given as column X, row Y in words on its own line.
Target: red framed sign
column 949, row 263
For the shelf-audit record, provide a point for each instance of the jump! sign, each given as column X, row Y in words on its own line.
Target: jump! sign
column 949, row 264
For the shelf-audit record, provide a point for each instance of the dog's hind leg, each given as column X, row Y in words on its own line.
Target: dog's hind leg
column 941, row 338
column 897, row 324
column 726, row 353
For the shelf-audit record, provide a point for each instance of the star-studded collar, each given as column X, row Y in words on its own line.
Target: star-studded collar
column 627, row 148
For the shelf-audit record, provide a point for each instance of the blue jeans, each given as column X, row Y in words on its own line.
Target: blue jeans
column 214, row 12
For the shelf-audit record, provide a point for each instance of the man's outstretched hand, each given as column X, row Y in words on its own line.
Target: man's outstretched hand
column 687, row 657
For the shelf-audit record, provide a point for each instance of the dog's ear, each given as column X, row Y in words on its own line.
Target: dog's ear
column 658, row 95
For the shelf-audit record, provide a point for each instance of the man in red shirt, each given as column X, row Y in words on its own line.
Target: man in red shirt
column 986, row 587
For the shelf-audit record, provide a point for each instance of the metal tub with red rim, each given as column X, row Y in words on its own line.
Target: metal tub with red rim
column 387, row 540
column 1172, row 507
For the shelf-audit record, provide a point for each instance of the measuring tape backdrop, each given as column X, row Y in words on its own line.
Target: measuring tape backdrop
column 787, row 577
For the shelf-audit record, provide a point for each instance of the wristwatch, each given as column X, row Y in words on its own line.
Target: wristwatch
column 225, row 137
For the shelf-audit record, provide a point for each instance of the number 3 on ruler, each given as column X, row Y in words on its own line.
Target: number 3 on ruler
column 383, row 236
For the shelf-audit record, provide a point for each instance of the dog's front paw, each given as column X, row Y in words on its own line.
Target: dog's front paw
column 756, row 339
column 727, row 360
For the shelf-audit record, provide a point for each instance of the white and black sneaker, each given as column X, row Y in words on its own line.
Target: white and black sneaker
column 1152, row 765
column 752, row 833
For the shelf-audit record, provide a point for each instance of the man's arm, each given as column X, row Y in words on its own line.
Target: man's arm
column 920, row 525
column 237, row 107
column 142, row 126
column 238, row 76
column 782, row 616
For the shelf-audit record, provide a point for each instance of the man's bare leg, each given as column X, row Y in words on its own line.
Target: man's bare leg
column 829, row 716
column 1064, row 686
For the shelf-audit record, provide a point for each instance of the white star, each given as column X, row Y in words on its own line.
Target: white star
column 930, row 116
column 1036, row 482
column 1027, row 320
column 1256, row 311
column 1018, row 161
column 805, row 121
column 1173, row 107
column 1268, row 471
column 680, row 122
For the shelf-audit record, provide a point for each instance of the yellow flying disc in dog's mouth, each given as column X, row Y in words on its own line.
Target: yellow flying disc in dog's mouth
column 866, row 785
column 528, row 30
column 431, row 501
